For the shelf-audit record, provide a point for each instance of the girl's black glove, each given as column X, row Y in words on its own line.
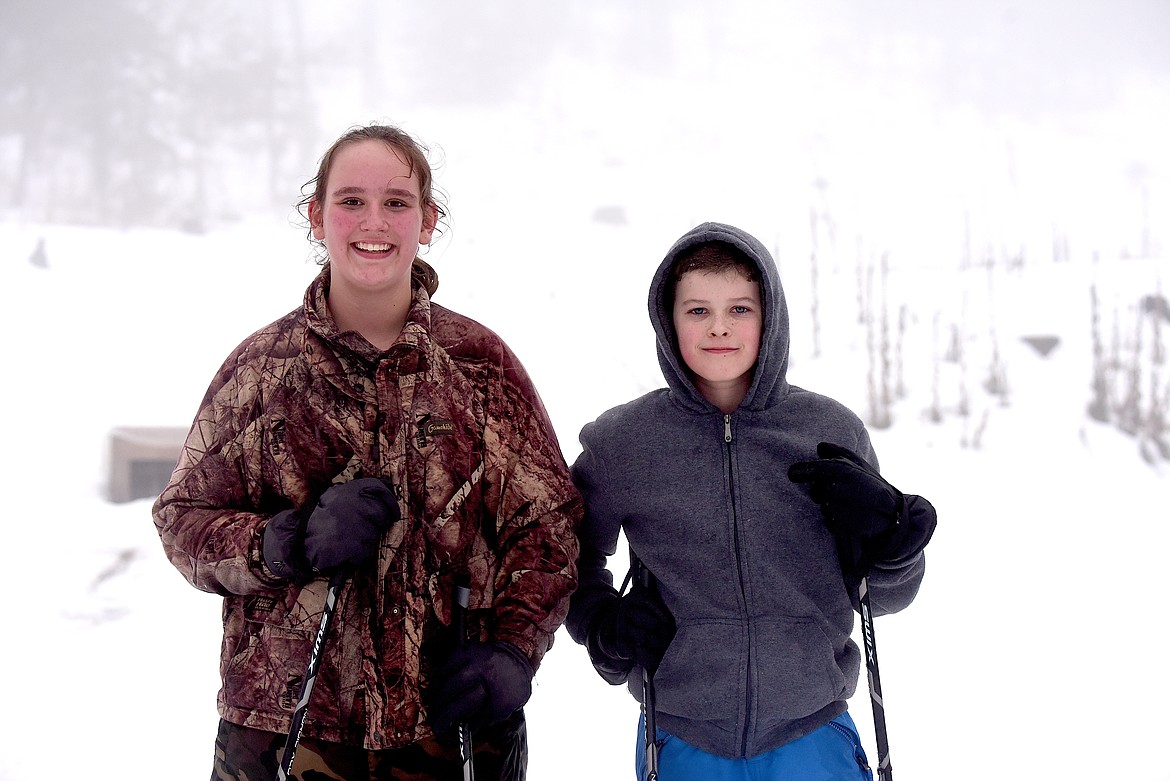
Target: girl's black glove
column 341, row 533
column 480, row 684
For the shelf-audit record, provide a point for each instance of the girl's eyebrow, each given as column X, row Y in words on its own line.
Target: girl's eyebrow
column 395, row 191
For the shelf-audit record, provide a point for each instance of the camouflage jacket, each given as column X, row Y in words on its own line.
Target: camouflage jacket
column 451, row 417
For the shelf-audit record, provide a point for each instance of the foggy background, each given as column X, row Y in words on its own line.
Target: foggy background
column 137, row 113
column 575, row 140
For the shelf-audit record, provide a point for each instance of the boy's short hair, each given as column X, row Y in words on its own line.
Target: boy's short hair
column 709, row 257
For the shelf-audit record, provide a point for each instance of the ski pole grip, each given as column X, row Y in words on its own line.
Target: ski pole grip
column 462, row 597
column 645, row 577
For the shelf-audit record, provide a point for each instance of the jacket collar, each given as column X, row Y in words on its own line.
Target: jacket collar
column 350, row 362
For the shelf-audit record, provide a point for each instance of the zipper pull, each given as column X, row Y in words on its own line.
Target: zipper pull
column 727, row 429
column 422, row 430
column 376, row 447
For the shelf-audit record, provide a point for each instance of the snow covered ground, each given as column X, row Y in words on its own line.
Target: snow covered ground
column 1032, row 651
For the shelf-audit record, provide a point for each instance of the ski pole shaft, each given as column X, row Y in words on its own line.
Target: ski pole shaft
column 651, row 736
column 646, row 579
column 302, row 707
column 885, row 771
column 458, row 622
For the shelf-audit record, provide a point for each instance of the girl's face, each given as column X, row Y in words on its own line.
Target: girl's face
column 372, row 219
column 718, row 319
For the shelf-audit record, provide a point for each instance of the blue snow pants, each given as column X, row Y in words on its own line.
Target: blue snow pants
column 831, row 753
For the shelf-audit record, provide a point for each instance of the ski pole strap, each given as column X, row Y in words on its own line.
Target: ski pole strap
column 885, row 771
column 298, row 719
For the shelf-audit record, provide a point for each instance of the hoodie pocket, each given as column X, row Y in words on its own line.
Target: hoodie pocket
column 701, row 677
column 797, row 671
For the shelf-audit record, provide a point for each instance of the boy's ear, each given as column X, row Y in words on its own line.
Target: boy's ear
column 315, row 220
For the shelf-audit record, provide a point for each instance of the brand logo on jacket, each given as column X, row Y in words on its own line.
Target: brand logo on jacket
column 430, row 426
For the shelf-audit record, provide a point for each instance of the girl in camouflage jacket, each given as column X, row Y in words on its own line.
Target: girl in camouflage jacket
column 374, row 433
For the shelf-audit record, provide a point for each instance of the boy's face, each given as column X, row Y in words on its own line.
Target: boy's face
column 718, row 318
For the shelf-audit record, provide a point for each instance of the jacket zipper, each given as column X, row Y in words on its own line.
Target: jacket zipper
column 727, row 441
column 376, row 447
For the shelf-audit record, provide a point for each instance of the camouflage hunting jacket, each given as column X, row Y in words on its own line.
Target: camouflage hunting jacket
column 451, row 417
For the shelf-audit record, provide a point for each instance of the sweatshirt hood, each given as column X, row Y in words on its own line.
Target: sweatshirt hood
column 769, row 383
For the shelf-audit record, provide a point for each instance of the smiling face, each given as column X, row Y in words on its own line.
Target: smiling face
column 371, row 219
column 718, row 319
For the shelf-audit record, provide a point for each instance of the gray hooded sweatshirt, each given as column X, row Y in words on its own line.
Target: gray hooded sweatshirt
column 744, row 562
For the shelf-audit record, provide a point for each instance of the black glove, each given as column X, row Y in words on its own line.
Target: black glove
column 283, row 546
column 867, row 515
column 480, row 684
column 855, row 500
column 633, row 629
column 341, row 533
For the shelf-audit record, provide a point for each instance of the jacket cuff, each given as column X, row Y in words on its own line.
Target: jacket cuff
column 256, row 560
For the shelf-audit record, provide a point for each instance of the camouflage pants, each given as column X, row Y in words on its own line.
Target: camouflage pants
column 245, row 754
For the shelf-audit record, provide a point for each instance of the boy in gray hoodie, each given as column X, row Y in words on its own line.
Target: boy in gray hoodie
column 758, row 507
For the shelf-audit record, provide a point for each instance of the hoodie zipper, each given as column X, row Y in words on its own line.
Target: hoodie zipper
column 727, row 441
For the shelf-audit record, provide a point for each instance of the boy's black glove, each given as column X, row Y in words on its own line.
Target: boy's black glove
column 633, row 629
column 341, row 532
column 480, row 684
column 855, row 500
column 870, row 518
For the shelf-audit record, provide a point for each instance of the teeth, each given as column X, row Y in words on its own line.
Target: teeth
column 366, row 246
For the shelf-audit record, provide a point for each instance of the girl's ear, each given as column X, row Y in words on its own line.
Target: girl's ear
column 430, row 220
column 315, row 220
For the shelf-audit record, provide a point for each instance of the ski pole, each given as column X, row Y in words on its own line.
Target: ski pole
column 458, row 622
column 298, row 720
column 885, row 772
column 646, row 579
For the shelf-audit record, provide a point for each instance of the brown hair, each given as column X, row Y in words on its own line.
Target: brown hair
column 421, row 273
column 709, row 257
